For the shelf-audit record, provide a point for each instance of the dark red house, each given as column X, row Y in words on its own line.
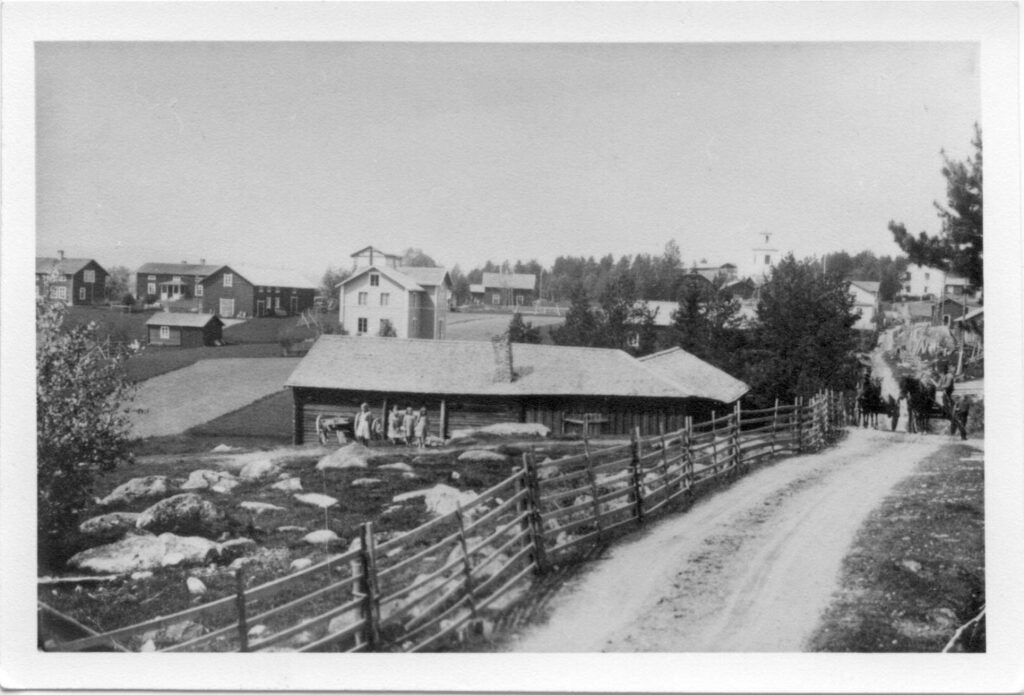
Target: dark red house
column 72, row 280
column 183, row 330
column 172, row 281
column 232, row 291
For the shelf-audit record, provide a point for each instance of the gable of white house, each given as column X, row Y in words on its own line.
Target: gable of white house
column 372, row 297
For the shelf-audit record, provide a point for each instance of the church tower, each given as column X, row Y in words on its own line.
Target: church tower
column 765, row 257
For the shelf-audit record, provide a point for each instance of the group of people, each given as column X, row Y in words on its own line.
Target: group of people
column 403, row 426
column 956, row 408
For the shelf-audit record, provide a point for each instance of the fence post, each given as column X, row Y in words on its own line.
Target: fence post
column 371, row 602
column 737, row 454
column 536, row 523
column 664, row 461
column 634, row 464
column 688, row 450
column 466, row 561
column 243, row 625
column 592, row 479
column 775, row 425
column 523, row 508
column 798, row 414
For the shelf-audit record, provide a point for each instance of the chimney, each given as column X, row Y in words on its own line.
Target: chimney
column 202, row 261
column 61, row 254
column 502, row 359
column 184, row 262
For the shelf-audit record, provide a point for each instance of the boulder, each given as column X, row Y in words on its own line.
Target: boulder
column 257, row 631
column 195, row 586
column 258, row 508
column 139, row 553
column 223, row 449
column 204, row 479
column 481, row 456
column 353, row 455
column 258, row 470
column 301, row 563
column 317, row 500
column 181, row 631
column 440, row 499
column 149, row 487
column 236, row 548
column 141, row 576
column 108, row 528
column 321, row 536
column 224, row 486
column 288, row 485
column 505, row 429
column 290, row 529
column 343, row 621
column 397, row 466
column 187, row 513
column 172, row 560
column 364, row 482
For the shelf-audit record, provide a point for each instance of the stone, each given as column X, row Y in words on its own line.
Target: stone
column 365, row 482
column 204, row 478
column 258, row 508
column 399, row 466
column 353, row 455
column 141, row 576
column 301, row 563
column 224, row 486
column 257, row 631
column 481, row 456
column 258, row 470
column 172, row 559
column 148, row 646
column 236, row 548
column 321, row 536
column 317, row 500
column 911, row 565
column 409, row 476
column 343, row 621
column 187, row 513
column 142, row 552
column 182, row 631
column 291, row 529
column 302, row 639
column 108, row 528
column 195, row 586
column 288, row 485
column 149, row 487
column 505, row 429
column 440, row 499
column 223, row 449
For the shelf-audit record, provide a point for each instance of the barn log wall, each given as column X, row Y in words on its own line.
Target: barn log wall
column 622, row 416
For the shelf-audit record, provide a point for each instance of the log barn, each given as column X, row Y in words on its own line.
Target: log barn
column 465, row 384
column 183, row 330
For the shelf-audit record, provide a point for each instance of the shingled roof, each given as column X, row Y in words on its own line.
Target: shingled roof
column 512, row 281
column 269, row 277
column 188, row 320
column 450, row 367
column 694, row 376
column 65, row 266
column 176, row 269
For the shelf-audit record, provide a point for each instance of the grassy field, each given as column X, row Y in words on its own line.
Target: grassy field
column 465, row 326
column 917, row 568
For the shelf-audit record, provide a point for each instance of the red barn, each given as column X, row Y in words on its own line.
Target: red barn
column 231, row 291
column 72, row 280
column 183, row 330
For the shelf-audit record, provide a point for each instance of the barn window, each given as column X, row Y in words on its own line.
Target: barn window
column 151, row 278
column 385, row 298
column 363, row 325
column 176, row 279
column 767, row 260
column 374, row 280
column 165, row 332
column 151, row 288
column 89, row 276
column 362, row 298
column 199, row 290
column 229, row 279
column 81, row 294
column 496, row 298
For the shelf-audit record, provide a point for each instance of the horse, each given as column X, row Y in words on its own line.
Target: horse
column 921, row 404
column 871, row 404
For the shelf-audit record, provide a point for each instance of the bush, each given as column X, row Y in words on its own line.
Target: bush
column 128, row 299
column 151, row 298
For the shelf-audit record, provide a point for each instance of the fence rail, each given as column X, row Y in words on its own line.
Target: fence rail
column 414, row 591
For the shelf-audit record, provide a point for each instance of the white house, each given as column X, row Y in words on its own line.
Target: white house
column 921, row 280
column 765, row 256
column 866, row 300
column 413, row 301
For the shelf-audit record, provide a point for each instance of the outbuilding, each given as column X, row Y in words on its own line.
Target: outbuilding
column 472, row 384
column 184, row 330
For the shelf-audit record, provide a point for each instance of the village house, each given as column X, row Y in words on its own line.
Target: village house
column 505, row 289
column 186, row 330
column 471, row 384
column 232, row 291
column 929, row 283
column 172, row 282
column 382, row 297
column 866, row 300
column 949, row 309
column 75, row 281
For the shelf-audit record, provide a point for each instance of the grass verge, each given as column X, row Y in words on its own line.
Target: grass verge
column 916, row 570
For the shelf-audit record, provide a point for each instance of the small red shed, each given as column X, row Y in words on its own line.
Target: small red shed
column 184, row 330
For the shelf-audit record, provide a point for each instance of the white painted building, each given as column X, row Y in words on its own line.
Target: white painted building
column 921, row 280
column 866, row 300
column 765, row 257
column 412, row 300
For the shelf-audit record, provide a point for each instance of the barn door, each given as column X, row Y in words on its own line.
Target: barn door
column 227, row 307
column 294, row 305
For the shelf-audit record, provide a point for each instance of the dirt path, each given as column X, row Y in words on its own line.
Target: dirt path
column 749, row 568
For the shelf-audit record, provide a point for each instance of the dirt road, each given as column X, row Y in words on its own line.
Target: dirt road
column 749, row 568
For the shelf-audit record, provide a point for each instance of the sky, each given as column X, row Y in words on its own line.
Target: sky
column 295, row 155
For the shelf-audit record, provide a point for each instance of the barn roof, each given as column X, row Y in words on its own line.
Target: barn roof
column 176, row 269
column 426, row 275
column 511, row 281
column 867, row 285
column 187, row 320
column 694, row 376
column 468, row 367
column 65, row 266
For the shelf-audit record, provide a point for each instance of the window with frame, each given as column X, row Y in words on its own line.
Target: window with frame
column 363, row 325
column 81, row 294
column 229, row 279
column 152, row 278
column 165, row 332
column 385, row 298
column 89, row 276
column 374, row 280
column 59, row 292
column 496, row 298
column 767, row 260
column 176, row 278
column 362, row 298
column 199, row 290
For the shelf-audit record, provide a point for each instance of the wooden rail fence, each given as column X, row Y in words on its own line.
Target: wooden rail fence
column 435, row 584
